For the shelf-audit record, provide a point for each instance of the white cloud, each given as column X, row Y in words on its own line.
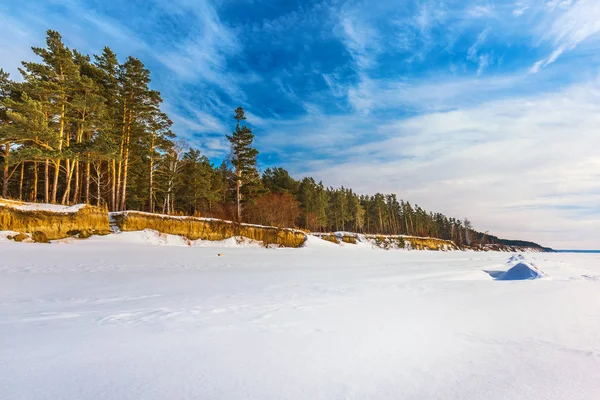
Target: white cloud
column 483, row 63
column 15, row 47
column 443, row 93
column 480, row 11
column 535, row 68
column 568, row 25
column 474, row 49
column 517, row 12
column 203, row 53
column 360, row 39
column 429, row 15
column 551, row 5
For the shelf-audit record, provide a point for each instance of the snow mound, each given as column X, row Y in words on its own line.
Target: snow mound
column 520, row 271
column 316, row 242
column 515, row 258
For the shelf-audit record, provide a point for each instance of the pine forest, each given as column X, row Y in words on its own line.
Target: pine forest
column 89, row 129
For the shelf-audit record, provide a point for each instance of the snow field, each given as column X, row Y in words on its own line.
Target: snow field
column 119, row 317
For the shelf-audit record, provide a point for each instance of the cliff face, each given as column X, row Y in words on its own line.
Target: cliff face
column 207, row 228
column 51, row 222
column 531, row 248
column 43, row 222
column 391, row 242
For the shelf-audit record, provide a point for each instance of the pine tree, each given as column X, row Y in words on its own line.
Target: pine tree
column 4, row 125
column 278, row 180
column 197, row 191
column 137, row 103
column 108, row 69
column 52, row 80
column 159, row 142
column 25, row 125
column 88, row 118
column 169, row 176
column 243, row 159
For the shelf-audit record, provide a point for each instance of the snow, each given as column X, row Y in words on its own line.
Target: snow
column 55, row 208
column 121, row 317
column 154, row 238
column 4, row 236
column 521, row 271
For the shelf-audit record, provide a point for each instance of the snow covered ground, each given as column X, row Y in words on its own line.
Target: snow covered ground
column 122, row 318
column 55, row 208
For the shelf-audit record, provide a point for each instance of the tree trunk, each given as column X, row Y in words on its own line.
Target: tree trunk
column 151, row 188
column 87, row 182
column 238, row 185
column 77, row 191
column 99, row 176
column 5, row 171
column 21, row 181
column 150, row 182
column 113, row 195
column 121, row 150
column 68, row 177
column 46, row 181
column 55, row 183
column 35, row 182
column 126, row 162
column 69, row 173
column 124, row 188
column 61, row 133
column 118, row 182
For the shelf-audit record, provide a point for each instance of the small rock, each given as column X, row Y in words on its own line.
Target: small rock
column 40, row 237
column 20, row 237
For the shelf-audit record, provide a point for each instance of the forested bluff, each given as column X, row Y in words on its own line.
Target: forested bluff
column 90, row 129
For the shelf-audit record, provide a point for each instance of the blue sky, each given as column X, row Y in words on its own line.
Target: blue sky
column 486, row 109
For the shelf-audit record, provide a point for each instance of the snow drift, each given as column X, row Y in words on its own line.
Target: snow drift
column 521, row 270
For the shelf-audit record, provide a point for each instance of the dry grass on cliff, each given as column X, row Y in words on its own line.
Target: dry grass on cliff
column 54, row 225
column 208, row 229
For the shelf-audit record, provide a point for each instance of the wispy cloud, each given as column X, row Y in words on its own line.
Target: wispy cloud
column 520, row 10
column 480, row 11
column 202, row 52
column 15, row 47
column 474, row 49
column 569, row 25
column 483, row 60
column 360, row 39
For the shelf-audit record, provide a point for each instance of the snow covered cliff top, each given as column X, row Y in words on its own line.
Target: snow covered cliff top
column 55, row 208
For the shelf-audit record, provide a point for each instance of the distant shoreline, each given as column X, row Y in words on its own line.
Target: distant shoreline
column 578, row 251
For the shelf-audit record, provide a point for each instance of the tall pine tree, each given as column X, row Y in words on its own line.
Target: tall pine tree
column 243, row 159
column 52, row 82
column 5, row 84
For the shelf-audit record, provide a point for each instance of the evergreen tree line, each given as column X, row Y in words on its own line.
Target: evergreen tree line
column 81, row 129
